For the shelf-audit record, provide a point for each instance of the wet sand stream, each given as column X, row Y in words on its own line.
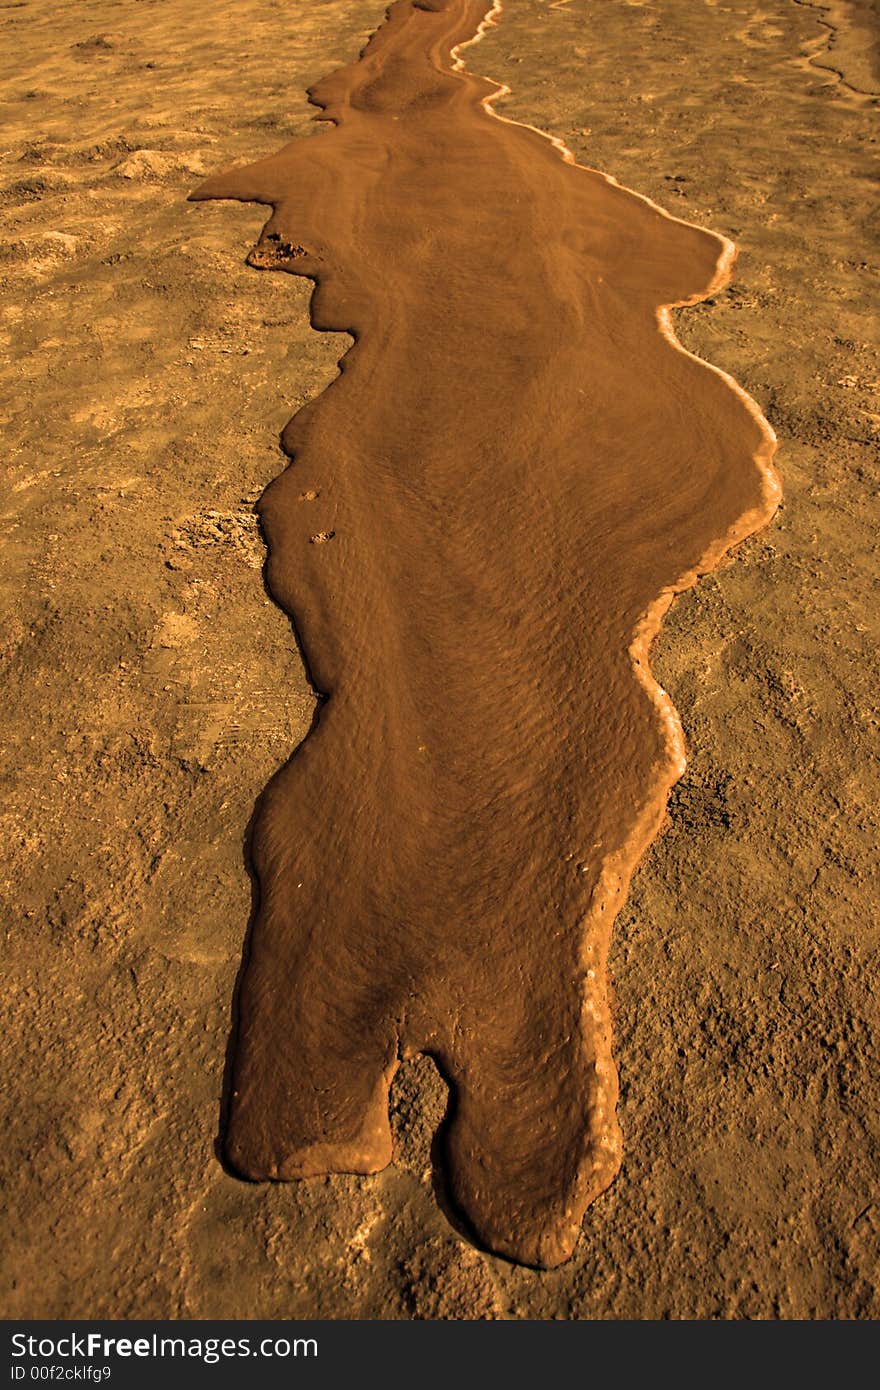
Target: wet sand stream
column 485, row 517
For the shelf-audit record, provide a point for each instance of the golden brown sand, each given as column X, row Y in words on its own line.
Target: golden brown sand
column 486, row 516
column 151, row 689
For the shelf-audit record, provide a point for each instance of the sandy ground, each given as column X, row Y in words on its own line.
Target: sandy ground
column 151, row 688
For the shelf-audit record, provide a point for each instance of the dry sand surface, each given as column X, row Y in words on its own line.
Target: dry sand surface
column 151, row 688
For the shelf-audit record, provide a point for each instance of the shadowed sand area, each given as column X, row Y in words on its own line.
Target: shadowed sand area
column 487, row 515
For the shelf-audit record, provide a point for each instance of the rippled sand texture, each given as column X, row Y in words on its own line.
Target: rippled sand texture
column 486, row 516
